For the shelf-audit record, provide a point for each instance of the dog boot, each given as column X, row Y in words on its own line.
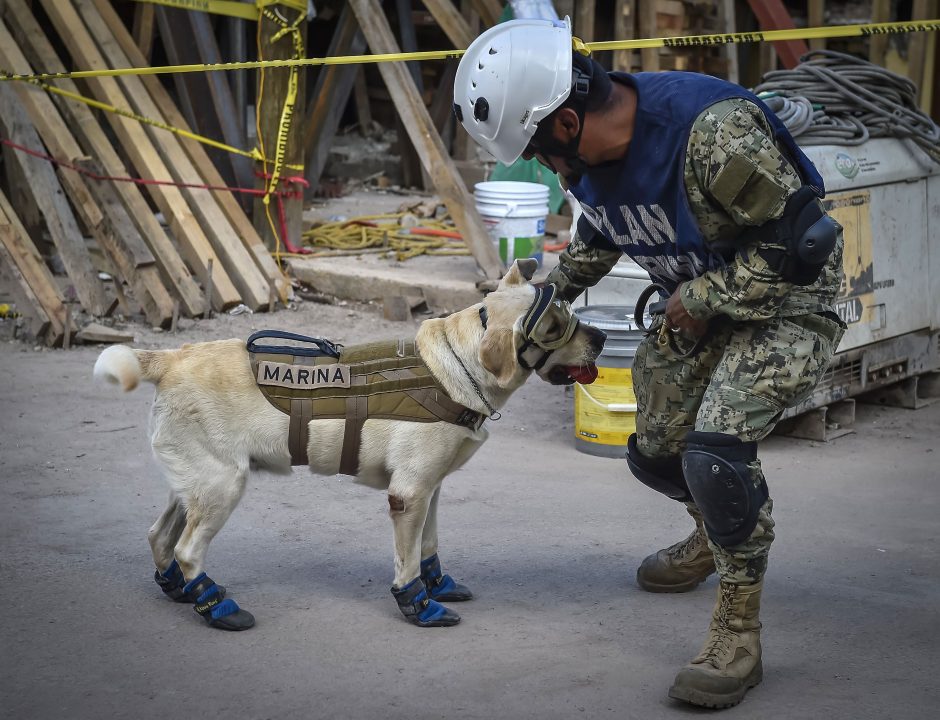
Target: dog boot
column 730, row 663
column 210, row 605
column 421, row 610
column 680, row 567
column 441, row 587
column 171, row 581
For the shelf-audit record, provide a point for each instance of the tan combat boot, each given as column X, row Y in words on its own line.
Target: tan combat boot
column 680, row 567
column 729, row 664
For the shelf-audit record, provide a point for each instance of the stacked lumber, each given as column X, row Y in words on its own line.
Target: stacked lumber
column 678, row 18
column 209, row 257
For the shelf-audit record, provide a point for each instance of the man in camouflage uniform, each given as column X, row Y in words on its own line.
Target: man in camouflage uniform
column 697, row 181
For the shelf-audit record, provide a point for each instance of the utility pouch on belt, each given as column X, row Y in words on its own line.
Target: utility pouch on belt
column 319, row 380
column 805, row 237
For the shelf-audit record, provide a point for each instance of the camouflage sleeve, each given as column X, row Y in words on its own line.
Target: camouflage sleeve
column 736, row 176
column 587, row 259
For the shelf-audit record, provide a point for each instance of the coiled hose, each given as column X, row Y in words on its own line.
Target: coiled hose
column 831, row 98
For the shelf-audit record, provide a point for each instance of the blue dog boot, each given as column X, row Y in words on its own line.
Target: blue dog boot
column 421, row 610
column 210, row 605
column 171, row 582
column 440, row 586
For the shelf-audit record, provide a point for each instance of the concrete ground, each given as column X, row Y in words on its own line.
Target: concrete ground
column 547, row 537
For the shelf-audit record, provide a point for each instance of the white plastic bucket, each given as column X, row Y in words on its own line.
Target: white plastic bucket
column 605, row 410
column 514, row 213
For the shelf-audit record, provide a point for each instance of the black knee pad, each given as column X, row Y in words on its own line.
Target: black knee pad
column 663, row 475
column 715, row 468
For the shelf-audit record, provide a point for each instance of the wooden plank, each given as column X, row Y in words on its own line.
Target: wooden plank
column 31, row 266
column 489, row 10
column 205, row 99
column 584, row 20
column 726, row 24
column 815, row 17
column 649, row 57
column 920, row 53
column 141, row 151
column 232, row 256
column 200, row 159
column 27, row 304
column 428, row 143
column 109, row 224
column 97, row 333
column 276, row 86
column 624, row 24
column 330, row 96
column 41, row 55
column 451, row 22
column 143, row 28
column 50, row 198
column 878, row 44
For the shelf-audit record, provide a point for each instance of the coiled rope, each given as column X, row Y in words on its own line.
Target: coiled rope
column 831, row 98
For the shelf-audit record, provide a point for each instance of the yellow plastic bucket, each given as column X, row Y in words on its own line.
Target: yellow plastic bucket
column 605, row 410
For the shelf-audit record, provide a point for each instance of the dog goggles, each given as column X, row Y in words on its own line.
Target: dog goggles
column 548, row 325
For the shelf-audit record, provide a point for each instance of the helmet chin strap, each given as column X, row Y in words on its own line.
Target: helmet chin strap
column 548, row 145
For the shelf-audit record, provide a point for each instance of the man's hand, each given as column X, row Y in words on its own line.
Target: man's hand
column 678, row 319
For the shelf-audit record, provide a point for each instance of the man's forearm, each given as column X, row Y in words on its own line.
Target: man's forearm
column 580, row 267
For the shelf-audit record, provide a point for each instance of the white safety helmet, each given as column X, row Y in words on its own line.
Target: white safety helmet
column 511, row 77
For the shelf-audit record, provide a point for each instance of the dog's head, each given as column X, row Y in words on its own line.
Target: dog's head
column 528, row 328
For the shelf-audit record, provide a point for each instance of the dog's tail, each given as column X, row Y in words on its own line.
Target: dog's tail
column 120, row 365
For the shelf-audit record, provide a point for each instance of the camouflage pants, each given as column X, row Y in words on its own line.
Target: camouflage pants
column 740, row 383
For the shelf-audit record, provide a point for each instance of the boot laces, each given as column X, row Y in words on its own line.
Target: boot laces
column 721, row 636
column 685, row 548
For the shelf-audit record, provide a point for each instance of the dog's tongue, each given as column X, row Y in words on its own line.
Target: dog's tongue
column 584, row 374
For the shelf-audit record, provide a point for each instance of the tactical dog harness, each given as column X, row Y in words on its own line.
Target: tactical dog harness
column 320, row 380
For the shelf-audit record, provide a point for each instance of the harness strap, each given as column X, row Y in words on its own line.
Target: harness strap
column 437, row 403
column 357, row 409
column 301, row 412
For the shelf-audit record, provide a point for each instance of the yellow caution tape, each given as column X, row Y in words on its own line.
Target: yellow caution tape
column 231, row 8
column 860, row 30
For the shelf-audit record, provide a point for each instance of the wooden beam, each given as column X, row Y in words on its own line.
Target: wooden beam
column 29, row 264
column 143, row 28
column 815, row 17
column 108, row 223
column 205, row 99
column 200, row 159
column 27, row 304
column 726, row 19
column 773, row 15
column 330, row 96
column 232, row 256
column 140, row 149
column 40, row 54
column 624, row 24
column 428, row 143
column 921, row 52
column 451, row 21
column 584, row 20
column 44, row 186
column 878, row 44
column 489, row 10
column 276, row 85
column 649, row 57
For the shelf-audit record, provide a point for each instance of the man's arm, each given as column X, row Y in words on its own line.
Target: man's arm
column 741, row 175
column 588, row 257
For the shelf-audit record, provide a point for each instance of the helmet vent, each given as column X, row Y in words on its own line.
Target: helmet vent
column 473, row 84
column 479, row 66
column 493, row 51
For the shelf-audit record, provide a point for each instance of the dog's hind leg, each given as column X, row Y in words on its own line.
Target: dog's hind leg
column 440, row 586
column 409, row 514
column 206, row 513
column 163, row 536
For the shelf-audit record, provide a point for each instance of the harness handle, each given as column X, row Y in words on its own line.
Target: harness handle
column 322, row 347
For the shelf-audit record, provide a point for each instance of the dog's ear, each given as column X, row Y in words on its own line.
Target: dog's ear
column 498, row 355
column 520, row 273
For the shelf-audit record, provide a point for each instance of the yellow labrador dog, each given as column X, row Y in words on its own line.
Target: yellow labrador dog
column 210, row 424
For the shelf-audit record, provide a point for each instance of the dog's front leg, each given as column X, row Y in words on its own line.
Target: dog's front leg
column 408, row 513
column 442, row 587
